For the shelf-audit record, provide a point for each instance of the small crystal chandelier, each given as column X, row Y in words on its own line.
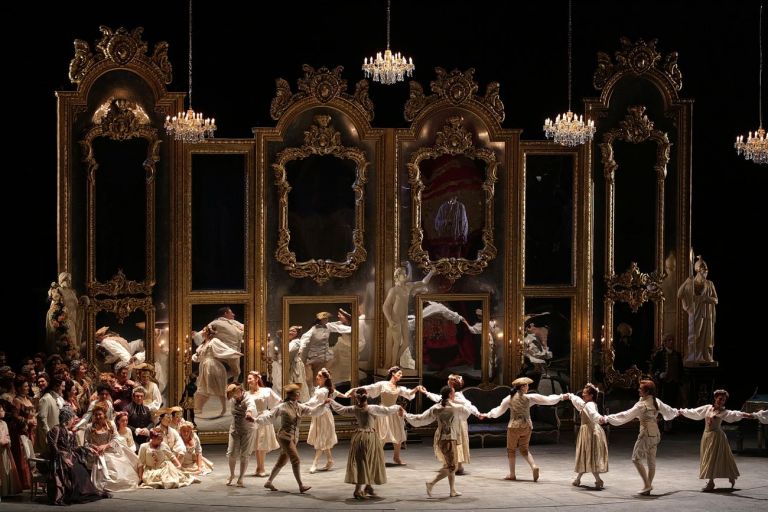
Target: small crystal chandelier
column 190, row 126
column 391, row 68
column 569, row 129
column 756, row 147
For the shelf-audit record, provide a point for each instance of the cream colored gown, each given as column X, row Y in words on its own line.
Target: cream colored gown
column 591, row 444
column 322, row 430
column 391, row 429
column 262, row 400
column 716, row 457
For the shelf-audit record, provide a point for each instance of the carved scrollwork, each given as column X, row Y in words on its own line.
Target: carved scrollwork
column 453, row 139
column 122, row 48
column 122, row 307
column 321, row 139
column 455, row 87
column 324, row 85
column 637, row 58
column 636, row 127
column 119, row 285
column 635, row 287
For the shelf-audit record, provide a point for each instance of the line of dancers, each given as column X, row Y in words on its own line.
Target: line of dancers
column 385, row 423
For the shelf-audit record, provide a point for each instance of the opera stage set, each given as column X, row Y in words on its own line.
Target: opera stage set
column 432, row 218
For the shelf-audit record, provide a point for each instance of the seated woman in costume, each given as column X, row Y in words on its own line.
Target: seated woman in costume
column 114, row 465
column 193, row 461
column 171, row 436
column 158, row 467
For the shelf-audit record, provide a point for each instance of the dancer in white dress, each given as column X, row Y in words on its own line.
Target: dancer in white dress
column 449, row 416
column 456, row 382
column 646, row 410
column 391, row 429
column 716, row 457
column 591, row 445
column 322, row 430
column 259, row 399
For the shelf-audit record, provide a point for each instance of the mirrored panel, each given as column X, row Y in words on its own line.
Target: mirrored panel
column 452, row 197
column 547, row 343
column 214, row 356
column 120, row 340
column 321, row 205
column 323, row 332
column 454, row 335
column 219, row 211
column 549, row 222
column 633, row 334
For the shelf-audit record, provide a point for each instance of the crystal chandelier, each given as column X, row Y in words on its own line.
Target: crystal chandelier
column 756, row 146
column 569, row 129
column 391, row 68
column 190, row 126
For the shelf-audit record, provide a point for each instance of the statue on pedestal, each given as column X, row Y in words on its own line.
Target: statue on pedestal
column 395, row 310
column 64, row 321
column 698, row 297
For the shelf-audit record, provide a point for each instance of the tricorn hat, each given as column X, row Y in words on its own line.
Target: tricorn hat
column 521, row 381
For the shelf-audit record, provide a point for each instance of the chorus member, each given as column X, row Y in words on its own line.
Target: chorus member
column 591, row 443
column 241, row 433
column 519, row 428
column 193, row 461
column 259, row 399
column 158, row 466
column 322, row 429
column 646, row 410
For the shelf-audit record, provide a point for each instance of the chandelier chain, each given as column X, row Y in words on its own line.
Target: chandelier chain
column 189, row 62
column 570, row 53
column 760, row 79
column 389, row 20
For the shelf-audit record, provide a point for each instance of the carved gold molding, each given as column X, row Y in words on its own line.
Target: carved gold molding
column 121, row 47
column 456, row 87
column 323, row 85
column 121, row 120
column 635, row 287
column 122, row 307
column 637, row 58
column 321, row 139
column 120, row 285
column 453, row 139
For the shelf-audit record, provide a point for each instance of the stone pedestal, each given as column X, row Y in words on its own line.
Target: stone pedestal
column 701, row 382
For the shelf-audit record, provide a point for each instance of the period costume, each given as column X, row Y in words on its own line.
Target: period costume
column 9, row 476
column 390, row 428
column 463, row 440
column 322, row 429
column 189, row 459
column 263, row 399
column 70, row 481
column 241, row 431
column 160, row 472
column 117, row 468
column 716, row 457
column 365, row 464
column 591, row 443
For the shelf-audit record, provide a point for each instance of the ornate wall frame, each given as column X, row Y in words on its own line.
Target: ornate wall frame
column 637, row 63
column 453, row 139
column 321, row 139
column 485, row 351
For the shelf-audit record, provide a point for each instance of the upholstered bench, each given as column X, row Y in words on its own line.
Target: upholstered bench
column 546, row 424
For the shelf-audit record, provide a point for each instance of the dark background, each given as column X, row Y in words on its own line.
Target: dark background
column 240, row 48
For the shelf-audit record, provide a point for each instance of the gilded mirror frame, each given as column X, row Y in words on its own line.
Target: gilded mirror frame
column 452, row 139
column 122, row 307
column 483, row 298
column 633, row 286
column 321, row 138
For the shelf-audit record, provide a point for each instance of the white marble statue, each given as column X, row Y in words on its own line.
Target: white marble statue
column 395, row 310
column 64, row 321
column 698, row 297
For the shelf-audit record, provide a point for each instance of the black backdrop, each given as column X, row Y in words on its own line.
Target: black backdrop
column 239, row 49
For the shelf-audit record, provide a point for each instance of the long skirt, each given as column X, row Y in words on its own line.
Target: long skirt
column 322, row 431
column 716, row 457
column 365, row 464
column 591, row 450
column 166, row 476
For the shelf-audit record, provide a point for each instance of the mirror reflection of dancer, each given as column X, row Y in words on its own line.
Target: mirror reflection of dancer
column 449, row 416
column 646, row 410
column 259, row 399
column 456, row 383
column 365, row 465
column 591, row 445
column 315, row 345
column 395, row 309
column 289, row 412
column 297, row 373
column 519, row 428
column 716, row 457
column 391, row 429
column 212, row 378
column 322, row 429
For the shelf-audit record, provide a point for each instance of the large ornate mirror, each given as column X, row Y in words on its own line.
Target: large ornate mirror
column 321, row 332
column 120, row 151
column 214, row 354
column 546, row 344
column 321, row 204
column 634, row 157
column 121, row 335
column 452, row 196
column 454, row 334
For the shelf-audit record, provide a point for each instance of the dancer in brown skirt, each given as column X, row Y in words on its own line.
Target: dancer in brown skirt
column 365, row 465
